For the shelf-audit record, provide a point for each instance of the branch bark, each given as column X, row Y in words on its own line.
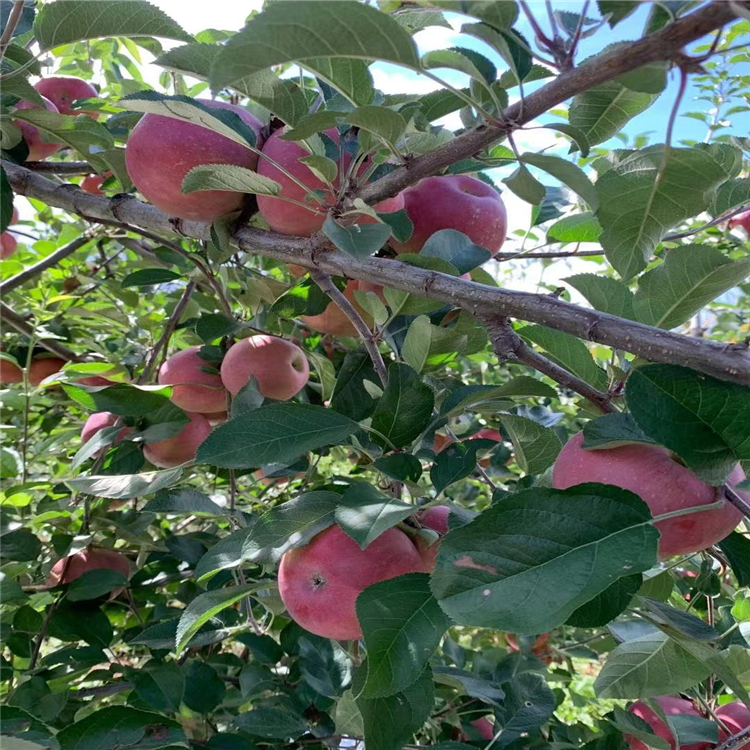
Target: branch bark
column 726, row 361
column 19, row 324
column 61, row 167
column 510, row 347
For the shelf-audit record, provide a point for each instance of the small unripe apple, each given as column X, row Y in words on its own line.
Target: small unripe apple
column 319, row 583
column 671, row 706
column 193, row 388
column 174, row 451
column 62, row 91
column 68, row 569
column 459, row 202
column 279, row 367
column 43, row 367
column 741, row 220
column 162, row 150
column 38, row 149
column 735, row 716
column 8, row 245
column 10, row 372
column 662, row 483
column 333, row 320
column 98, row 421
column 435, row 518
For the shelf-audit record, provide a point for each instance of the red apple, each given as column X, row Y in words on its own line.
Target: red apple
column 279, row 367
column 671, row 706
column 193, row 389
column 10, row 372
column 435, row 518
column 38, row 149
column 162, row 150
column 67, row 569
column 741, row 220
column 92, row 184
column 174, row 451
column 319, row 583
column 43, row 367
column 333, row 320
column 98, row 421
column 459, row 202
column 62, row 91
column 735, row 716
column 485, row 727
column 661, row 482
column 8, row 245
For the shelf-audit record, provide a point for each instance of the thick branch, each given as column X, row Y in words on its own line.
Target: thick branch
column 323, row 280
column 659, row 46
column 51, row 260
column 738, row 740
column 16, row 321
column 727, row 361
column 510, row 347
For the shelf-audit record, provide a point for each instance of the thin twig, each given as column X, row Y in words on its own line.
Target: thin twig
column 324, row 281
column 43, row 633
column 61, row 167
column 51, row 345
column 737, row 500
column 714, row 222
column 571, row 56
column 509, row 346
column 13, row 18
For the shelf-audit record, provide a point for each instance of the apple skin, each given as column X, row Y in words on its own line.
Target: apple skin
column 435, row 518
column 279, row 366
column 162, row 150
column 736, row 717
column 741, row 220
column 8, row 245
column 442, row 441
column 68, row 569
column 38, row 149
column 62, row 91
column 459, row 202
column 174, row 451
column 192, row 389
column 286, row 218
column 44, row 367
column 10, row 372
column 333, row 320
column 485, row 728
column 319, row 583
column 98, row 421
column 661, row 482
column 671, row 705
column 92, row 184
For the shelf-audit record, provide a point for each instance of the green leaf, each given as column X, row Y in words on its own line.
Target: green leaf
column 529, row 703
column 349, row 76
column 391, row 721
column 460, row 60
column 404, row 408
column 205, row 606
column 579, row 228
column 499, row 14
column 161, row 685
column 604, row 293
column 74, row 20
column 20, row 545
column 649, row 666
column 95, row 583
column 125, row 486
column 15, row 83
column 274, row 433
column 123, row 399
column 736, row 547
column 603, row 608
column 226, row 553
column 349, row 395
column 701, row 419
column 690, row 277
column 348, row 718
column 455, row 248
column 617, row 10
column 381, row 121
column 322, row 167
column 568, row 173
column 204, row 689
column 603, row 110
column 306, row 298
column 282, row 97
column 149, row 277
column 535, row 447
column 506, row 44
column 731, row 193
column 576, row 134
column 648, row 79
column 526, row 186
column 364, row 513
column 358, row 240
column 272, row 722
column 473, row 397
column 486, row 569
column 486, row 690
column 568, row 351
column 322, row 28
column 400, row 224
column 228, row 177
column 183, row 500
column 416, row 346
column 612, row 431
column 403, row 626
column 401, row 466
column 184, row 108
column 644, row 195
column 126, row 726
column 6, row 201
column 671, row 619
column 457, row 461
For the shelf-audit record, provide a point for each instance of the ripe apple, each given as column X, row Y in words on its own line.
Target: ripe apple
column 92, row 184
column 459, row 202
column 485, row 728
column 671, row 705
column 62, row 91
column 279, row 367
column 98, row 421
column 741, row 220
column 8, row 245
column 67, row 569
column 435, row 518
column 319, row 583
column 661, row 482
column 333, row 320
column 174, row 451
column 43, row 367
column 193, row 389
column 162, row 150
column 38, row 149
column 735, row 716
column 288, row 218
column 10, row 372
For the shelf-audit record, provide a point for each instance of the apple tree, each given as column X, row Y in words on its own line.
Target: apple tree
column 289, row 462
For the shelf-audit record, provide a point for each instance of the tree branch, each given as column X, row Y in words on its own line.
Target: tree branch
column 510, row 347
column 51, row 260
column 737, row 500
column 737, row 741
column 323, row 280
column 13, row 18
column 61, row 167
column 727, row 361
column 19, row 324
